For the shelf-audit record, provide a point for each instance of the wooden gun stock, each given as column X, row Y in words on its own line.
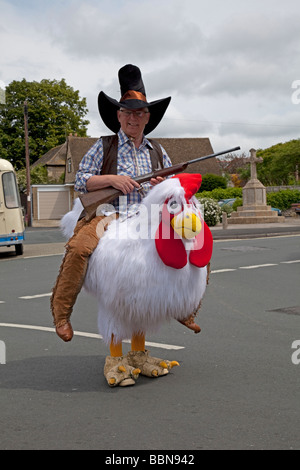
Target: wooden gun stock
column 93, row 199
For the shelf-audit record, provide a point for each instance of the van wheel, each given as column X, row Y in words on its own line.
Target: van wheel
column 19, row 249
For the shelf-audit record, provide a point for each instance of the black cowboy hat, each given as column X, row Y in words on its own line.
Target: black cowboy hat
column 133, row 96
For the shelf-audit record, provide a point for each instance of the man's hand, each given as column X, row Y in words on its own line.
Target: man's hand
column 155, row 181
column 123, row 183
column 120, row 182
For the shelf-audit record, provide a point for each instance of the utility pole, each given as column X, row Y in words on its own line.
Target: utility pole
column 27, row 164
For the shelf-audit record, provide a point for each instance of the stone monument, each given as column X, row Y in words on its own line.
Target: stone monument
column 254, row 209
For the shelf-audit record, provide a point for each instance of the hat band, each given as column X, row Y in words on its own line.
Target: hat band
column 133, row 95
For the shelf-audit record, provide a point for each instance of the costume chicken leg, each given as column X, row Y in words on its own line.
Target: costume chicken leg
column 148, row 269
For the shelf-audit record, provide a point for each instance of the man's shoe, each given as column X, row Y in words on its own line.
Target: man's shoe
column 65, row 331
column 189, row 322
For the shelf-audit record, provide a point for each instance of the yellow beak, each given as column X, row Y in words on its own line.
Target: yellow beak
column 188, row 226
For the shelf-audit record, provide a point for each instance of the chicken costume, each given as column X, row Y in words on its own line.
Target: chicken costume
column 147, row 269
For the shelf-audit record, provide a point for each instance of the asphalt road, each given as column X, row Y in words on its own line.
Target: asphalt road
column 237, row 386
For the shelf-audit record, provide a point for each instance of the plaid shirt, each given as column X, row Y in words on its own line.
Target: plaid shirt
column 130, row 163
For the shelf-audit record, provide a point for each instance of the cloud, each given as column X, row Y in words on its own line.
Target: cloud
column 148, row 30
column 257, row 54
column 228, row 65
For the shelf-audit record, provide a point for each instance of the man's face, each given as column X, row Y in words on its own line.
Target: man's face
column 133, row 122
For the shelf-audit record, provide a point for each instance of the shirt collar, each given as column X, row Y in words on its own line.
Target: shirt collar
column 123, row 139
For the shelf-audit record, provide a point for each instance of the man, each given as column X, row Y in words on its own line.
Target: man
column 130, row 119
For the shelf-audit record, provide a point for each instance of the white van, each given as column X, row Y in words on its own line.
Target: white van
column 11, row 213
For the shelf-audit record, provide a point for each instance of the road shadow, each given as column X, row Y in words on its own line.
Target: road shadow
column 55, row 374
column 65, row 374
column 7, row 253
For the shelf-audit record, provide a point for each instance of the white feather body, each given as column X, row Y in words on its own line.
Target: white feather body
column 136, row 291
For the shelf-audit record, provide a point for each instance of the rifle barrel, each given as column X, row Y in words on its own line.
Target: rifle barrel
column 214, row 155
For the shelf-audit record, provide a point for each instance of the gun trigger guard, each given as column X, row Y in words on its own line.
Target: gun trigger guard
column 141, row 190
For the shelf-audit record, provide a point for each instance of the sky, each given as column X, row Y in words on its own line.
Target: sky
column 229, row 65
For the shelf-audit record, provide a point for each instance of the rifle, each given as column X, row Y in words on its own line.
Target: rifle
column 93, row 199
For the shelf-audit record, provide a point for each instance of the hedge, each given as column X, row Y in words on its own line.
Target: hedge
column 281, row 200
column 220, row 193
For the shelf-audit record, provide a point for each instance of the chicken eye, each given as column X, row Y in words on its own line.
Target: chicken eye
column 174, row 207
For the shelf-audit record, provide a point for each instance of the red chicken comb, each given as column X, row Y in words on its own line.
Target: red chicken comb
column 190, row 182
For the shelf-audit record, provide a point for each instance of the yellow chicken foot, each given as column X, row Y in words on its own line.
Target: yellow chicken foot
column 118, row 371
column 150, row 366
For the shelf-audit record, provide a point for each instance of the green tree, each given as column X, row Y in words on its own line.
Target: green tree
column 54, row 110
column 38, row 175
column 279, row 166
column 279, row 163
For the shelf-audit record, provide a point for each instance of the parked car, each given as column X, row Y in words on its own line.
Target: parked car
column 228, row 202
column 277, row 210
column 231, row 201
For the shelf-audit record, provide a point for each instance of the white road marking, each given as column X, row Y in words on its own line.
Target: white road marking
column 86, row 335
column 222, row 271
column 290, row 262
column 27, row 327
column 42, row 256
column 258, row 266
column 254, row 266
column 28, row 297
column 2, row 301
